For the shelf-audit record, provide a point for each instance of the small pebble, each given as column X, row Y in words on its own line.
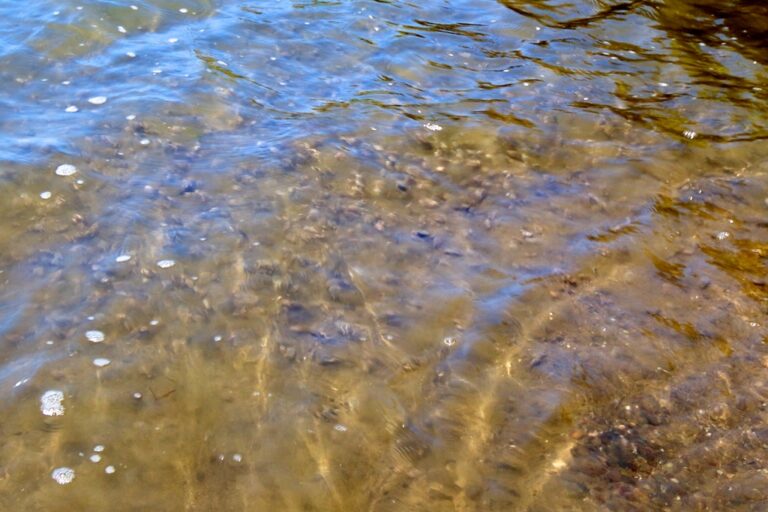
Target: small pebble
column 101, row 362
column 95, row 458
column 71, row 109
column 109, row 470
column 137, row 395
column 66, row 170
column 173, row 40
column 121, row 29
column 237, row 457
column 63, row 476
column 45, row 195
column 144, row 142
column 95, row 336
column 98, row 448
column 166, row 263
column 130, row 117
column 97, row 100
column 123, row 258
column 130, row 54
column 183, row 10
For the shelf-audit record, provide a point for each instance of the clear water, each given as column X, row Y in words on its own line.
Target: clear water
column 383, row 255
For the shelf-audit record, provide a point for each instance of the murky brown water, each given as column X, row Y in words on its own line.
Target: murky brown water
column 384, row 255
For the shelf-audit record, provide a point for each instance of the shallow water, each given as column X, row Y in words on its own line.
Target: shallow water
column 384, row 255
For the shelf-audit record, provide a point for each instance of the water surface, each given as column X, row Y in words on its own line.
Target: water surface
column 383, row 255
